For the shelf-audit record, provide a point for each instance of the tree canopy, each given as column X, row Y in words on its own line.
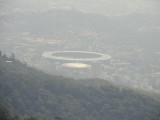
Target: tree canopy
column 31, row 92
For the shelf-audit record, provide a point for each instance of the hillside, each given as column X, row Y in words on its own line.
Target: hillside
column 27, row 91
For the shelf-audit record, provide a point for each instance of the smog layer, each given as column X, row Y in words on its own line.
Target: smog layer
column 127, row 31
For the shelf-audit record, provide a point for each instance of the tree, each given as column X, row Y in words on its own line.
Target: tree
column 32, row 118
column 58, row 118
column 16, row 117
column 4, row 113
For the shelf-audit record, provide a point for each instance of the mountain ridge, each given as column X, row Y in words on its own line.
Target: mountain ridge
column 31, row 92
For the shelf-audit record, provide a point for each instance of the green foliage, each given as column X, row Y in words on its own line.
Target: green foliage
column 58, row 118
column 32, row 118
column 32, row 92
column 4, row 113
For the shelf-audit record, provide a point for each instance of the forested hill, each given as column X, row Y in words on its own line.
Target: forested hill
column 27, row 91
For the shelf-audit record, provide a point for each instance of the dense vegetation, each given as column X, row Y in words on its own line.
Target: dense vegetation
column 6, row 115
column 28, row 92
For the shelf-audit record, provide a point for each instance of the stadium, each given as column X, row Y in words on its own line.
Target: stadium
column 81, row 62
column 78, row 56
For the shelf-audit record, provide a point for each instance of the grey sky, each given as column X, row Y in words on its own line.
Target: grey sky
column 107, row 7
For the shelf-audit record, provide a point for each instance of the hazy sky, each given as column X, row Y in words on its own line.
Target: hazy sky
column 107, row 7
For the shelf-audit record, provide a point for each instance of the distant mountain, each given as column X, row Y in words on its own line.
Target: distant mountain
column 28, row 91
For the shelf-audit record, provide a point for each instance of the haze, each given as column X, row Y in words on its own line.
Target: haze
column 106, row 7
column 127, row 30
